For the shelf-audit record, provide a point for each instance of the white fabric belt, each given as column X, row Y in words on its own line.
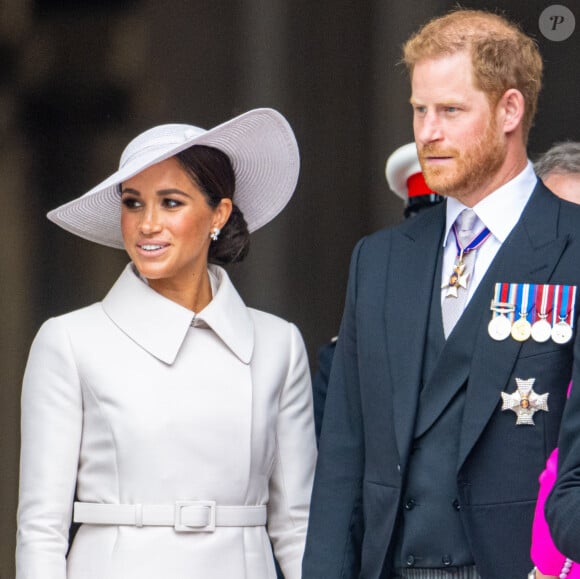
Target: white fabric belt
column 183, row 516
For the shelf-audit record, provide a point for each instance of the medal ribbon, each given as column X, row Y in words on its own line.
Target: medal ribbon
column 457, row 279
column 563, row 313
column 568, row 300
column 558, row 290
column 512, row 299
column 504, row 293
column 496, row 298
column 474, row 244
column 503, row 300
column 496, row 295
column 545, row 298
column 522, row 300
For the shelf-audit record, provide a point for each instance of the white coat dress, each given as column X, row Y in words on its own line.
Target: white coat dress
column 136, row 400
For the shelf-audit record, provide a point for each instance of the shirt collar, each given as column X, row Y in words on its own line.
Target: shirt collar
column 501, row 210
column 160, row 326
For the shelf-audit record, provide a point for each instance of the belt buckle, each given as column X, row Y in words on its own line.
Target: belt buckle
column 181, row 527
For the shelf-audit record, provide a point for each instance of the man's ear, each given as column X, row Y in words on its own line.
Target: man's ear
column 511, row 108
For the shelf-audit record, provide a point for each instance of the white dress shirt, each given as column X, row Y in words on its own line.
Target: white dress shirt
column 499, row 212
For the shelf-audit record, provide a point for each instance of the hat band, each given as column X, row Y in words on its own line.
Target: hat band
column 156, row 144
column 417, row 186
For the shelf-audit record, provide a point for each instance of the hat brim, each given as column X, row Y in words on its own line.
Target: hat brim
column 402, row 163
column 264, row 154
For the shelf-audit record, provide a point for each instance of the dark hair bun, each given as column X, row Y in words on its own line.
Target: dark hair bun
column 233, row 243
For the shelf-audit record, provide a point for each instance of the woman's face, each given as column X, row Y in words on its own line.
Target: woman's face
column 166, row 223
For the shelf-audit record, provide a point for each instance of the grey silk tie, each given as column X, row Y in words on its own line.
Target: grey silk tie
column 453, row 305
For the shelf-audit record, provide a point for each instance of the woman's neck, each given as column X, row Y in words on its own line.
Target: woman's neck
column 193, row 293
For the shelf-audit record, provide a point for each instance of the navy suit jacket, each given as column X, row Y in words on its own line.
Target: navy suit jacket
column 372, row 413
column 320, row 383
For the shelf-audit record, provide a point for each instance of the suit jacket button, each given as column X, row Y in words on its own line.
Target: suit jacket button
column 446, row 560
column 456, row 505
column 410, row 504
column 410, row 561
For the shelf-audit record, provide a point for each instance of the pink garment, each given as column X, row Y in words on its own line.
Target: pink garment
column 544, row 553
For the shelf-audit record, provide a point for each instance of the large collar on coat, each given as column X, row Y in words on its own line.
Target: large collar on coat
column 160, row 325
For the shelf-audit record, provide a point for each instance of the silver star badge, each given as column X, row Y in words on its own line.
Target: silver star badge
column 524, row 401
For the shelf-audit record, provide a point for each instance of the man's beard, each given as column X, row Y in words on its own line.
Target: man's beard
column 473, row 166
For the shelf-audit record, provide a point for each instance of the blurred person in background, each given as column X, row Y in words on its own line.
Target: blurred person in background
column 405, row 179
column 559, row 168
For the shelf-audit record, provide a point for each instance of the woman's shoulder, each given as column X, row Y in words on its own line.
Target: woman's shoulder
column 278, row 343
column 79, row 318
column 60, row 335
column 269, row 320
column 273, row 328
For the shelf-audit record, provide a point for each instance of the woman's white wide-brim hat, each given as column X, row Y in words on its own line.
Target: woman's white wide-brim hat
column 260, row 144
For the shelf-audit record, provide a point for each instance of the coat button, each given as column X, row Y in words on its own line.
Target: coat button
column 456, row 505
column 410, row 561
column 410, row 504
column 446, row 560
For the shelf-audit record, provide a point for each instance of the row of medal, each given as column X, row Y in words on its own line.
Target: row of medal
column 538, row 311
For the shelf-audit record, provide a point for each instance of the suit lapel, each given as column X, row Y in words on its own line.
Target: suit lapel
column 529, row 255
column 453, row 365
column 410, row 283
